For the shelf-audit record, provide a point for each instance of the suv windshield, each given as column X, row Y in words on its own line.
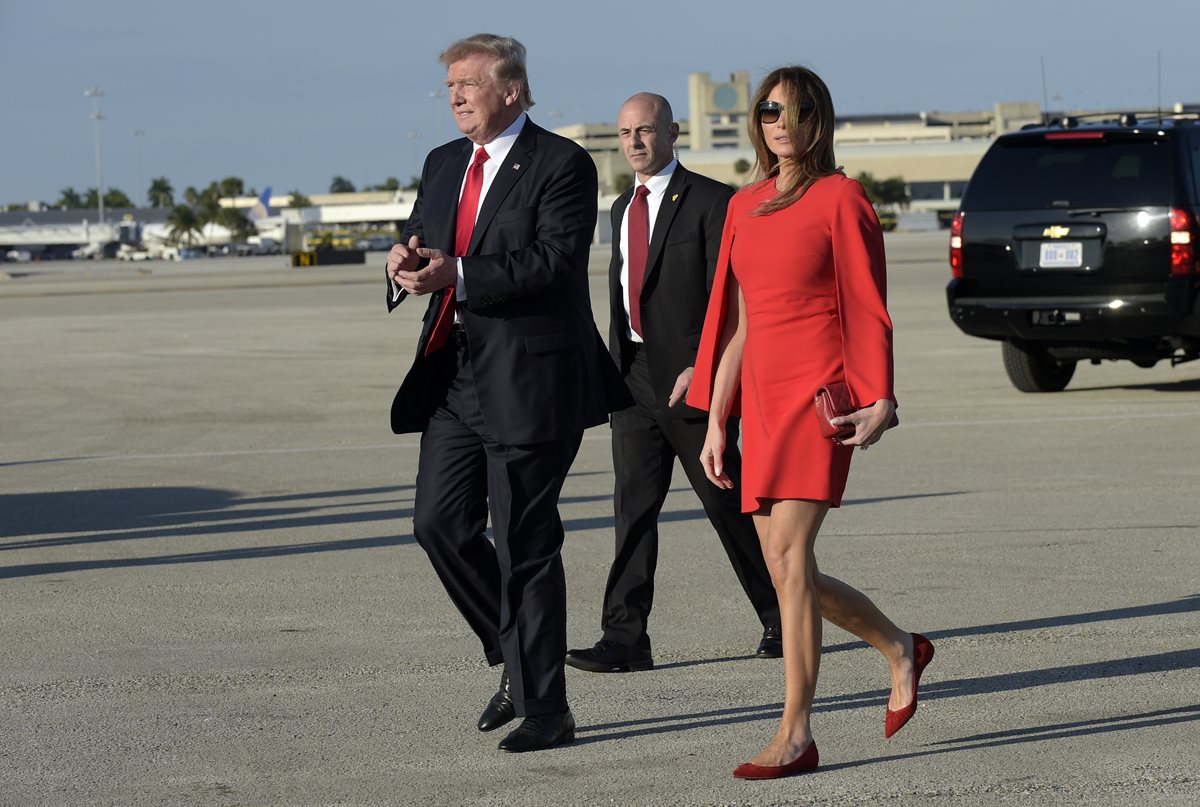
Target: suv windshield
column 1033, row 173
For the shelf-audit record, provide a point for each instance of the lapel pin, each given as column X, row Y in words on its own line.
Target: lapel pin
column 516, row 166
column 675, row 197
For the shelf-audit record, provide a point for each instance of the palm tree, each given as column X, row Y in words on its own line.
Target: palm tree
column 183, row 223
column 341, row 185
column 232, row 186
column 69, row 199
column 190, row 195
column 208, row 207
column 161, row 194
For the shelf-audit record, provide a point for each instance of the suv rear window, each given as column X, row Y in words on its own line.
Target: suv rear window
column 1031, row 173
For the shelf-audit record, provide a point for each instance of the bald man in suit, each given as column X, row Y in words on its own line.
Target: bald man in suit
column 666, row 236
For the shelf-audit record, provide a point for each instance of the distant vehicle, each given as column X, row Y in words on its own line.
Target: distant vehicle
column 18, row 256
column 1080, row 241
column 92, row 250
column 126, row 252
column 375, row 243
column 887, row 220
column 188, row 253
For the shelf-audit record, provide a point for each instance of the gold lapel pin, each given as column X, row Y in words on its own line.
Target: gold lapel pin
column 675, row 198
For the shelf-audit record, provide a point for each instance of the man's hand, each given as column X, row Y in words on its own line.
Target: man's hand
column 440, row 272
column 402, row 258
column 681, row 386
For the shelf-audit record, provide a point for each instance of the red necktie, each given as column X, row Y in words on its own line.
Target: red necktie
column 468, row 209
column 638, row 217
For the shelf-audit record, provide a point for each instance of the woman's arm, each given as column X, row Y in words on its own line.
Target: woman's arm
column 725, row 384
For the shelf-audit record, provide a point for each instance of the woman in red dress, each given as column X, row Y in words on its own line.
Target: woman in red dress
column 800, row 301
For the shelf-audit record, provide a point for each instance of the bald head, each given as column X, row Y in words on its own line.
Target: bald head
column 648, row 133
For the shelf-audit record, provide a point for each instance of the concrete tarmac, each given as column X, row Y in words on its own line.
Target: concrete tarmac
column 210, row 593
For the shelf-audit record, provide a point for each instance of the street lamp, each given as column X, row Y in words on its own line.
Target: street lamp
column 94, row 93
column 138, row 134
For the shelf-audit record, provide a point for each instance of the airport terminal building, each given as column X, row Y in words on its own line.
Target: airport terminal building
column 934, row 153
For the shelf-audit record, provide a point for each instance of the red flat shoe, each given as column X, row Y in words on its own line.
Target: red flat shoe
column 805, row 762
column 922, row 655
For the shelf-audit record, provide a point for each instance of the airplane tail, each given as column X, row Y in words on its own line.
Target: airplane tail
column 262, row 208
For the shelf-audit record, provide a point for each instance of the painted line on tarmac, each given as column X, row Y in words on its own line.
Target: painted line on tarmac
column 929, row 424
column 252, row 452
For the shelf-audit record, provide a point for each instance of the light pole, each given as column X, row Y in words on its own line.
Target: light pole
column 94, row 93
column 138, row 134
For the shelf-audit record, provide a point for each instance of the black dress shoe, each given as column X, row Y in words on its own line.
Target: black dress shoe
column 771, row 645
column 500, row 708
column 610, row 656
column 538, row 732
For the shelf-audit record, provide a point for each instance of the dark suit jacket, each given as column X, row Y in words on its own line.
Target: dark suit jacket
column 539, row 365
column 679, row 274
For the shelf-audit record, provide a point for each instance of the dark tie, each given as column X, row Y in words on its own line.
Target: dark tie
column 638, row 217
column 468, row 209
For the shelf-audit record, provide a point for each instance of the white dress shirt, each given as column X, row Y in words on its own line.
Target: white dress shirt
column 497, row 150
column 657, row 185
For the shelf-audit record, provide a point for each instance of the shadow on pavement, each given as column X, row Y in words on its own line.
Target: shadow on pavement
column 1181, row 606
column 933, row 690
column 126, row 514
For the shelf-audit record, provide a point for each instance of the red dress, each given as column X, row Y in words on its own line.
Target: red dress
column 793, row 266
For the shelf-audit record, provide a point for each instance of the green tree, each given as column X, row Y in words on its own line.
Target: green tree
column 742, row 167
column 341, row 185
column 240, row 228
column 69, row 199
column 390, row 184
column 161, row 194
column 232, row 186
column 296, row 199
column 413, row 184
column 622, row 182
column 887, row 192
column 191, row 196
column 208, row 207
column 113, row 197
column 183, row 224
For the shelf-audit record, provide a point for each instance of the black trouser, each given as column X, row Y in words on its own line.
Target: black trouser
column 513, row 594
column 646, row 442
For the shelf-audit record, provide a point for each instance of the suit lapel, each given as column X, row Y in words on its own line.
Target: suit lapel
column 516, row 165
column 672, row 199
column 445, row 215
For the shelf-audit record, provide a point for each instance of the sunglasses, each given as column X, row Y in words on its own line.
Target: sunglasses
column 770, row 111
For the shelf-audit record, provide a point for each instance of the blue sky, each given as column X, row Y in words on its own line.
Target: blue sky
column 291, row 94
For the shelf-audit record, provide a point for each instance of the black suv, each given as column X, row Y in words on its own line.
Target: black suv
column 1079, row 240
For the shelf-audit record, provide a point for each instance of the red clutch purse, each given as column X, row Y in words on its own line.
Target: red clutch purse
column 834, row 400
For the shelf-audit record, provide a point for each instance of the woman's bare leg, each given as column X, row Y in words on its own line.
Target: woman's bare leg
column 787, row 530
column 854, row 612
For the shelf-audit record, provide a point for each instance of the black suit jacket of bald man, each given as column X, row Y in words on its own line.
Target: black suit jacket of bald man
column 680, row 266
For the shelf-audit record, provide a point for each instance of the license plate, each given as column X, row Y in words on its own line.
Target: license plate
column 1061, row 255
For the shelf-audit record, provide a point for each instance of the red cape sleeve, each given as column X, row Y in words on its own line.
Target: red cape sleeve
column 700, row 392
column 861, row 271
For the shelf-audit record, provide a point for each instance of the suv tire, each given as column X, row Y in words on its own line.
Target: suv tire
column 1030, row 369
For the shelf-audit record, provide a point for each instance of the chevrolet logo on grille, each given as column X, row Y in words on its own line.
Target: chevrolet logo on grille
column 1056, row 232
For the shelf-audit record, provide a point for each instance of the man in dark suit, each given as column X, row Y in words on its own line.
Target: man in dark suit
column 659, row 281
column 509, row 372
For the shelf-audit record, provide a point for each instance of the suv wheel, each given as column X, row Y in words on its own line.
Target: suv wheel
column 1030, row 369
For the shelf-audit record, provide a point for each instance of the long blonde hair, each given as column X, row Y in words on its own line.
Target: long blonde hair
column 808, row 119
